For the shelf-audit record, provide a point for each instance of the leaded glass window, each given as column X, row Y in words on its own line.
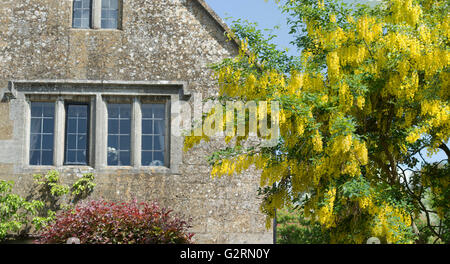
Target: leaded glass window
column 110, row 13
column 41, row 134
column 82, row 13
column 77, row 121
column 153, row 134
column 119, row 134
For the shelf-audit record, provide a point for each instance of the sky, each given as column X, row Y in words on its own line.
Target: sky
column 265, row 13
column 268, row 15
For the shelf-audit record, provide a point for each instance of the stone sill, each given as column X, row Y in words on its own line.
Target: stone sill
column 108, row 169
column 97, row 29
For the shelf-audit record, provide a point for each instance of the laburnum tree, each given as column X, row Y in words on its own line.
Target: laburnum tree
column 367, row 96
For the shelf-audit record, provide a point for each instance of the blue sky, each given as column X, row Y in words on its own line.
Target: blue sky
column 267, row 15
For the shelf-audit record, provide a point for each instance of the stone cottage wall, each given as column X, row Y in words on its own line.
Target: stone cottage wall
column 160, row 40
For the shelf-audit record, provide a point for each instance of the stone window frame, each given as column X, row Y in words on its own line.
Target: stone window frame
column 136, row 125
column 67, row 104
column 96, row 16
column 96, row 93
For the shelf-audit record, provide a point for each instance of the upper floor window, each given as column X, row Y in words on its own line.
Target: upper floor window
column 110, row 13
column 82, row 13
column 96, row 14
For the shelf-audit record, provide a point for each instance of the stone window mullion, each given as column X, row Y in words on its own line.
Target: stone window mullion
column 96, row 13
column 58, row 156
column 136, row 130
column 100, row 130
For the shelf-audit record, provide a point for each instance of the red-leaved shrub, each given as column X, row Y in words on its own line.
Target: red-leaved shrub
column 103, row 222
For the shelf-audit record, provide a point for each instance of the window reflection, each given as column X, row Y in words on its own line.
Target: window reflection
column 153, row 134
column 119, row 134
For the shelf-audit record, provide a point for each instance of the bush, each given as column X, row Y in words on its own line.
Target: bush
column 103, row 222
column 15, row 211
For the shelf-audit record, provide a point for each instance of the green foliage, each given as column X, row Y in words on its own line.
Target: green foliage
column 50, row 181
column 294, row 228
column 15, row 211
column 84, row 186
column 262, row 46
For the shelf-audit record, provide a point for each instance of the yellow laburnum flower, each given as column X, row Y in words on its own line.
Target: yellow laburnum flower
column 333, row 18
column 317, row 142
column 360, row 102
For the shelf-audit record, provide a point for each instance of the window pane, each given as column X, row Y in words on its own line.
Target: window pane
column 48, row 125
column 153, row 137
column 71, row 142
column 113, row 110
column 124, row 158
column 158, row 158
column 147, row 157
column 41, row 133
column 48, row 109
column 113, row 126
column 35, row 141
column 36, row 125
column 35, row 157
column 81, row 156
column 113, row 142
column 82, row 142
column 76, row 23
column 159, row 143
column 159, row 127
column 125, row 126
column 77, row 134
column 47, row 142
column 105, row 3
column 86, row 3
column 114, row 4
column 110, row 10
column 124, row 142
column 119, row 134
column 82, row 124
column 85, row 23
column 82, row 12
column 147, row 142
column 36, row 110
column 71, row 125
column 159, row 111
column 71, row 156
column 147, row 126
column 77, row 4
column 113, row 159
column 47, row 157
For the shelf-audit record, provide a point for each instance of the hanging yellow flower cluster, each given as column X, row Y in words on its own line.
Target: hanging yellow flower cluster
column 403, row 11
column 237, row 165
column 325, row 214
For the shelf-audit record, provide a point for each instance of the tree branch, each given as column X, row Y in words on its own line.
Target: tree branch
column 445, row 149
